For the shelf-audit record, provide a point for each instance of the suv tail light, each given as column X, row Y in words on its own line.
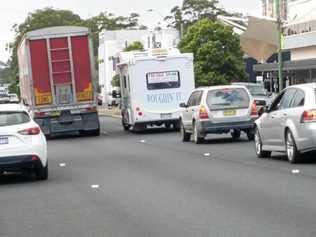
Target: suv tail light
column 309, row 116
column 203, row 112
column 254, row 112
column 30, row 131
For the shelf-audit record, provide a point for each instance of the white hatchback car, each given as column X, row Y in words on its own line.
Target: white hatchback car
column 217, row 110
column 289, row 124
column 22, row 143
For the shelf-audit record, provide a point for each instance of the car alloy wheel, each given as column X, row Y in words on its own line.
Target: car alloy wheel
column 197, row 139
column 258, row 146
column 291, row 149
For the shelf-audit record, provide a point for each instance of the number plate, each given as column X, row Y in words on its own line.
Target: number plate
column 229, row 112
column 165, row 116
column 4, row 140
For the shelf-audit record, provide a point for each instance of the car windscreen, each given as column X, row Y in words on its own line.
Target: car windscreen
column 256, row 90
column 163, row 80
column 228, row 98
column 13, row 118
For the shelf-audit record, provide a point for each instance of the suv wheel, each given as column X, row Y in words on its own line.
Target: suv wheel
column 197, row 138
column 184, row 135
column 292, row 153
column 41, row 172
column 258, row 145
column 250, row 134
column 235, row 134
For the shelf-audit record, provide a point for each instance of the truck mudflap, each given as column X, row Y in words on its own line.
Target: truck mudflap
column 67, row 122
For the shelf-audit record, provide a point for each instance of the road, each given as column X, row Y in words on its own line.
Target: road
column 150, row 184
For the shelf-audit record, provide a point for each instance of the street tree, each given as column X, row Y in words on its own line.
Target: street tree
column 218, row 58
column 136, row 45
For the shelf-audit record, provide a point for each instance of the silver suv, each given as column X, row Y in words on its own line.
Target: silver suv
column 289, row 124
column 218, row 110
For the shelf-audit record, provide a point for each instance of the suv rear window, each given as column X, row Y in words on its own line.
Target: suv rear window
column 13, row 118
column 229, row 98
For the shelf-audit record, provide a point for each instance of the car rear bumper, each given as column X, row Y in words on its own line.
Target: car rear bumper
column 13, row 163
column 209, row 127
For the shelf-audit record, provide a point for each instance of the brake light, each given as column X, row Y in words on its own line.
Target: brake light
column 30, row 131
column 254, row 112
column 39, row 114
column 309, row 116
column 203, row 112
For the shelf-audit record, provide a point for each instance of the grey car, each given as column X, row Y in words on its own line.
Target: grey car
column 288, row 124
column 258, row 93
column 218, row 110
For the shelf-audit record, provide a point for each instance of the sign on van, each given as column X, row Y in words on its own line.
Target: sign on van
column 164, row 98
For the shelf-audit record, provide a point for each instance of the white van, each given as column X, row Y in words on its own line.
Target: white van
column 153, row 83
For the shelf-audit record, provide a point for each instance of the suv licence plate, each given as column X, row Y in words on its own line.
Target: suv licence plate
column 166, row 116
column 229, row 112
column 4, row 140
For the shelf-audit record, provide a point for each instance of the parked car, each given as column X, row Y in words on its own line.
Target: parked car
column 4, row 99
column 218, row 109
column 258, row 92
column 22, row 143
column 289, row 124
column 13, row 98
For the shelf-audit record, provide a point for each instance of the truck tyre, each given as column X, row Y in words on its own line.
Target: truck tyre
column 126, row 126
column 41, row 172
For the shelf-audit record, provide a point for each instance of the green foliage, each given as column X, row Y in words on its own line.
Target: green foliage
column 14, row 88
column 116, row 81
column 217, row 54
column 136, row 45
column 5, row 75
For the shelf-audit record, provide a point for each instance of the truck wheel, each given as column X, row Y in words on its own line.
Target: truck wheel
column 41, row 172
column 126, row 126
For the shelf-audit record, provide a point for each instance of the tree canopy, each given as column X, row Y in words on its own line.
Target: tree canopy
column 218, row 58
column 136, row 45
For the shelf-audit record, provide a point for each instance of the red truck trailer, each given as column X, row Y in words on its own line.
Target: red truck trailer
column 56, row 73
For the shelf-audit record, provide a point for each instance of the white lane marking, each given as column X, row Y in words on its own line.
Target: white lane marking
column 207, row 154
column 62, row 164
column 95, row 186
column 295, row 171
column 142, row 141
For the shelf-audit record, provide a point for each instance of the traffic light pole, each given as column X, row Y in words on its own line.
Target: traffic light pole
column 280, row 60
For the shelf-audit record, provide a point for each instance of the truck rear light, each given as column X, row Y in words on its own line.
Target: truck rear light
column 137, row 109
column 140, row 113
column 39, row 114
column 91, row 109
column 254, row 112
column 203, row 112
column 309, row 116
column 30, row 131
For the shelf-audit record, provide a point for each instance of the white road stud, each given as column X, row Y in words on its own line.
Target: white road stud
column 207, row 154
column 295, row 171
column 62, row 164
column 95, row 186
column 142, row 141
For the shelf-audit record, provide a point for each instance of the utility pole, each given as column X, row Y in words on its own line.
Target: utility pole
column 280, row 60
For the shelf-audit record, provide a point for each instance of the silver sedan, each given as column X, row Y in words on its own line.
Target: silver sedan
column 289, row 124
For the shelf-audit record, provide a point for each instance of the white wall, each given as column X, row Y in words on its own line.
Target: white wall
column 300, row 10
column 303, row 53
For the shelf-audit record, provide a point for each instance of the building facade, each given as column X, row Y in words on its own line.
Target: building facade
column 300, row 42
column 269, row 8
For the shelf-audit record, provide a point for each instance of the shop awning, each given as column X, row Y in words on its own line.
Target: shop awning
column 287, row 65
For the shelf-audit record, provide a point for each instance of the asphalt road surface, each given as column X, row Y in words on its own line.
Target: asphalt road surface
column 151, row 184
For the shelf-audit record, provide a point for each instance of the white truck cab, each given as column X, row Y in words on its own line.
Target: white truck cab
column 153, row 84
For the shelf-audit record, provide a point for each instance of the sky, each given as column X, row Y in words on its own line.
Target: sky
column 15, row 11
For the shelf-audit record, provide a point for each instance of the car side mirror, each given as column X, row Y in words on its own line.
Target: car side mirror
column 183, row 105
